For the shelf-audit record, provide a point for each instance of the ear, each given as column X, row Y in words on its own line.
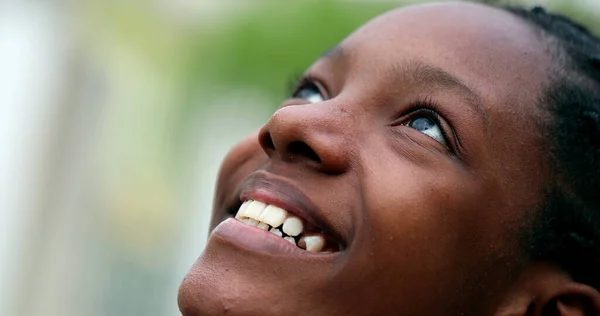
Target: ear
column 574, row 299
column 545, row 290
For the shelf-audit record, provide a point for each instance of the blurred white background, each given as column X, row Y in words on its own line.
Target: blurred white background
column 114, row 117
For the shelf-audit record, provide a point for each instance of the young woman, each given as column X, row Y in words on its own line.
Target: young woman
column 444, row 159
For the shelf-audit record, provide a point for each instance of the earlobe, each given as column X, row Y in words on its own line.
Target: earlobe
column 546, row 290
column 576, row 299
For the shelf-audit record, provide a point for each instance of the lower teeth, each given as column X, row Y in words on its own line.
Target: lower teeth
column 279, row 222
column 263, row 226
column 276, row 232
column 312, row 242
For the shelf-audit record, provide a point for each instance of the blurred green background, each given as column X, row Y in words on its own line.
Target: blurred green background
column 115, row 117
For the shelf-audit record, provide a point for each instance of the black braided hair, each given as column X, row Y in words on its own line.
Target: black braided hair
column 567, row 231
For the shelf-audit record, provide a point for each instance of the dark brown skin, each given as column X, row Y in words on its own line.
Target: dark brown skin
column 428, row 230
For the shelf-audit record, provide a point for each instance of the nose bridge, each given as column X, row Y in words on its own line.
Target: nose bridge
column 319, row 133
column 327, row 119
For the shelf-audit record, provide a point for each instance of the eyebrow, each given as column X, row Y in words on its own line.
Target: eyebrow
column 433, row 76
column 425, row 75
column 334, row 53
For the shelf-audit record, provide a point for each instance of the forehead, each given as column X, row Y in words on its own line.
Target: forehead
column 495, row 53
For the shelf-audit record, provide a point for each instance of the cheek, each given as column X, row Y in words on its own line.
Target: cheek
column 241, row 155
column 243, row 159
column 430, row 231
column 423, row 214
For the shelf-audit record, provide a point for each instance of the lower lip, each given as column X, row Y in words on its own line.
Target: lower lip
column 258, row 240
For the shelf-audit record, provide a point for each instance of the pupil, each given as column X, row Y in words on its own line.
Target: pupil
column 422, row 124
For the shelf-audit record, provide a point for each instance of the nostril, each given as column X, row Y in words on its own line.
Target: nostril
column 302, row 149
column 266, row 141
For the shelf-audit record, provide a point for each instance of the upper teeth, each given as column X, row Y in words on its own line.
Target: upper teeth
column 292, row 226
column 276, row 220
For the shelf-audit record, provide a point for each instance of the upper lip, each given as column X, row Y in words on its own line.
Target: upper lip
column 278, row 191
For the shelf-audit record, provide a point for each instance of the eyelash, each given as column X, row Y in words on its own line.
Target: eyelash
column 299, row 81
column 293, row 83
column 428, row 107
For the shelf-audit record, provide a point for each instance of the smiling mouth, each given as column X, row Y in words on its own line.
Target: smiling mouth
column 282, row 223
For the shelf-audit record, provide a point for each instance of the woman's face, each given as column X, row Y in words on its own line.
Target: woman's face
column 413, row 146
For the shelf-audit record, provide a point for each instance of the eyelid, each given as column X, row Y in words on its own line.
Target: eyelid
column 309, row 79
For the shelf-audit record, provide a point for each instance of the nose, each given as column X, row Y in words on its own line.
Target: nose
column 314, row 135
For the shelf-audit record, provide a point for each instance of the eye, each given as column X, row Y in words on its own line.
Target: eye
column 428, row 123
column 308, row 91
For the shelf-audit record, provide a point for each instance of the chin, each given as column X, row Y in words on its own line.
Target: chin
column 232, row 277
